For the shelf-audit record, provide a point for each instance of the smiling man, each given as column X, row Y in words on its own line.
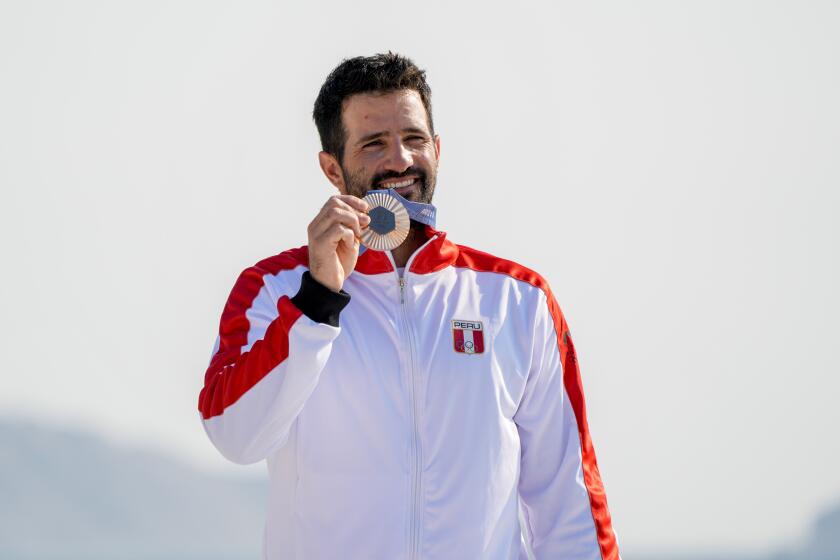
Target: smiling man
column 409, row 403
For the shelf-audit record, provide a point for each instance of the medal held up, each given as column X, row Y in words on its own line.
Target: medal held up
column 390, row 217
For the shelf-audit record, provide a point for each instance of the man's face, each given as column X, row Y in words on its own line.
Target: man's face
column 389, row 145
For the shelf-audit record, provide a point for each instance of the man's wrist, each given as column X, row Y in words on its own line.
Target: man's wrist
column 318, row 302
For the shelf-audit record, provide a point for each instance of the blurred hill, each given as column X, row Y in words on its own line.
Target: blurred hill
column 72, row 496
column 823, row 543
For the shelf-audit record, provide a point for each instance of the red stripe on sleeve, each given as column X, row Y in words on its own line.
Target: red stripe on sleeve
column 232, row 372
column 484, row 262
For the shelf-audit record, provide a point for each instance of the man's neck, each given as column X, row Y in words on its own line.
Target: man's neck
column 416, row 238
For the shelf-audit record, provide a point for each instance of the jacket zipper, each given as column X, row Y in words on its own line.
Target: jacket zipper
column 414, row 533
column 417, row 450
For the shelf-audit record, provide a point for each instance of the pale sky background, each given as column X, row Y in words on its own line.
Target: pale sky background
column 670, row 167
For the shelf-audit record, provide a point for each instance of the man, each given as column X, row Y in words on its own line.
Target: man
column 407, row 402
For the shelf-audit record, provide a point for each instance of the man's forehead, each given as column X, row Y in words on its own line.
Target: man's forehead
column 366, row 113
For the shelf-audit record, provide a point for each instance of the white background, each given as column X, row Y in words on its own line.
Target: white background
column 670, row 167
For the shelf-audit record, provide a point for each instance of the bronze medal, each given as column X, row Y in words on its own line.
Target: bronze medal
column 389, row 222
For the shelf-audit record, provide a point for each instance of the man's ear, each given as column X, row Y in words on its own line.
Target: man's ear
column 332, row 170
column 437, row 145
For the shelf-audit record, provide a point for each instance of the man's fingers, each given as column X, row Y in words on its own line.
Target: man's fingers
column 345, row 201
column 338, row 215
column 353, row 201
column 349, row 238
column 337, row 233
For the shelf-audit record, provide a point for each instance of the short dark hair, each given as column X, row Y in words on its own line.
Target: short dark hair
column 380, row 73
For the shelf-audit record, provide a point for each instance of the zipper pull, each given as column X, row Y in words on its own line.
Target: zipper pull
column 402, row 290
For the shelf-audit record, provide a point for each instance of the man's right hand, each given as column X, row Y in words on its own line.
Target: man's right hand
column 334, row 239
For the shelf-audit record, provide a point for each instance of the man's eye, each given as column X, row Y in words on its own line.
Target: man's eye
column 373, row 144
column 414, row 138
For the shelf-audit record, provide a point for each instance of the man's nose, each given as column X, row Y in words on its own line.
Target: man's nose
column 399, row 157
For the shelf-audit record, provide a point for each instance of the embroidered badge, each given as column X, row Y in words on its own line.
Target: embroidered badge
column 468, row 336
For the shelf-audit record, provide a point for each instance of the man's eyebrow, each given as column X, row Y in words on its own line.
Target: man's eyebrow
column 375, row 135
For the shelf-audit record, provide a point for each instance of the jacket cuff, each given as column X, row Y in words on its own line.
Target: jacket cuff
column 318, row 302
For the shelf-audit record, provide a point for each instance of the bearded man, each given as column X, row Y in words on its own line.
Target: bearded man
column 422, row 402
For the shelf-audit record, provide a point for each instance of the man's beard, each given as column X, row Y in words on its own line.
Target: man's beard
column 358, row 185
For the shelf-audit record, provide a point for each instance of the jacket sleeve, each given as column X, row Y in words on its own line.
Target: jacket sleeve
column 563, row 502
column 270, row 353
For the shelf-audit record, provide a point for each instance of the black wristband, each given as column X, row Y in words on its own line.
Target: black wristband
column 318, row 302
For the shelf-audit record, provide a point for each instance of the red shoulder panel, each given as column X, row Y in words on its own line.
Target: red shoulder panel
column 437, row 255
column 373, row 262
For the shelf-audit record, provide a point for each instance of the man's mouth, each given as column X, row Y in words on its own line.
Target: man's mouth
column 397, row 183
column 402, row 185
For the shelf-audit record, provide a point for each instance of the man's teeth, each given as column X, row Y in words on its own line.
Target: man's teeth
column 405, row 183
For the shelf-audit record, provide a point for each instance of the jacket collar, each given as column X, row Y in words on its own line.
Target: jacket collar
column 435, row 255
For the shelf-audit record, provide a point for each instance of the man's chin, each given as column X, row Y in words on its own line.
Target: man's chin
column 418, row 197
column 416, row 193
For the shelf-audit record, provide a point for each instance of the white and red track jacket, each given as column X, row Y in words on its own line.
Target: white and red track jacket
column 416, row 427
